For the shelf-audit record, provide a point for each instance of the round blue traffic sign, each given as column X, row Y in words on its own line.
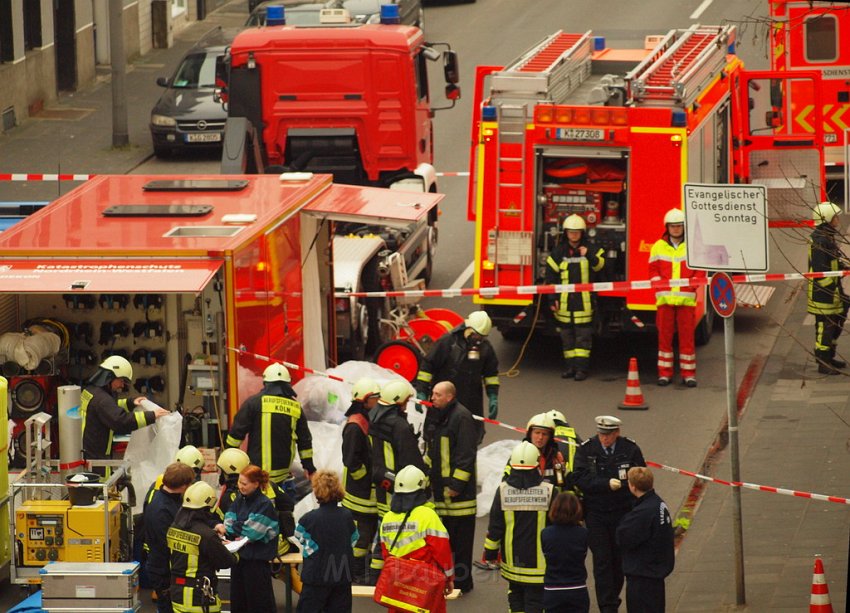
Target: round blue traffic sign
column 722, row 294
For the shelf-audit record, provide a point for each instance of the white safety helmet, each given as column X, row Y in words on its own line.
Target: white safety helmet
column 364, row 388
column 541, row 420
column 524, row 456
column 479, row 322
column 575, row 222
column 118, row 366
column 276, row 372
column 557, row 416
column 190, row 456
column 396, row 392
column 408, row 480
column 233, row 461
column 199, row 495
column 674, row 216
column 825, row 212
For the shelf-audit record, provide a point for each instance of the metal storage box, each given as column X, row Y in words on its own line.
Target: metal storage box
column 81, row 586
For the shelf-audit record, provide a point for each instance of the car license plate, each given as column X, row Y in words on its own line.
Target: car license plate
column 204, row 137
column 579, row 134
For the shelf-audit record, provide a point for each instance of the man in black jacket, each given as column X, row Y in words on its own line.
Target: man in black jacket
column 645, row 536
column 602, row 464
column 452, row 440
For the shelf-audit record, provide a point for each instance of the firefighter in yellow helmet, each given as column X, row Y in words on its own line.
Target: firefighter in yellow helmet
column 576, row 259
column 275, row 425
column 826, row 298
column 104, row 415
column 189, row 455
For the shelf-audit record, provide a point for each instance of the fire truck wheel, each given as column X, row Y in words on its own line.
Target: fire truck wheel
column 432, row 253
column 400, row 357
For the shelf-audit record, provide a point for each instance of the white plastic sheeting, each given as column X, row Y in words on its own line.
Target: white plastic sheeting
column 489, row 469
column 150, row 450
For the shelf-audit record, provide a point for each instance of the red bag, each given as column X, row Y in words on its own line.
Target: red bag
column 410, row 585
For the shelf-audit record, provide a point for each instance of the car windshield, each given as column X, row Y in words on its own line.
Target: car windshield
column 197, row 70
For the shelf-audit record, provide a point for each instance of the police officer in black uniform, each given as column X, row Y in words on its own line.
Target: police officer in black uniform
column 601, row 471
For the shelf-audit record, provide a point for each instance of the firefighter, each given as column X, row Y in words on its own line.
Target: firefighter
column 676, row 305
column 567, row 440
column 104, row 416
column 517, row 517
column 197, row 552
column 574, row 260
column 275, row 423
column 188, row 455
column 826, row 298
column 540, row 432
column 412, row 530
column 452, row 443
column 357, row 471
column 394, row 445
column 159, row 515
column 601, row 468
column 465, row 357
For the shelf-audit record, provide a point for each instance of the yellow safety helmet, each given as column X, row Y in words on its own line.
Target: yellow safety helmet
column 575, row 222
column 408, row 480
column 524, row 456
column 480, row 322
column 190, row 456
column 118, row 366
column 541, row 420
column 276, row 372
column 363, row 388
column 674, row 216
column 199, row 495
column 233, row 461
column 396, row 392
column 825, row 212
column 557, row 416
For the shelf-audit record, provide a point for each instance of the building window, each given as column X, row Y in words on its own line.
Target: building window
column 7, row 43
column 178, row 7
column 32, row 24
column 821, row 35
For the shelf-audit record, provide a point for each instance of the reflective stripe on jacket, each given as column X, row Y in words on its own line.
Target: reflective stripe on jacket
column 565, row 265
column 668, row 262
column 423, row 537
column 824, row 295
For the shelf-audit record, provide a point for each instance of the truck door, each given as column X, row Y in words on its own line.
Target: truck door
column 778, row 129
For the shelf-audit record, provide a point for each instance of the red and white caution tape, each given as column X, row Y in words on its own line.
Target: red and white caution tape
column 453, row 174
column 289, row 365
column 43, row 177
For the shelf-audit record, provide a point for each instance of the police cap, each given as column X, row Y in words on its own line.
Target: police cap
column 607, row 423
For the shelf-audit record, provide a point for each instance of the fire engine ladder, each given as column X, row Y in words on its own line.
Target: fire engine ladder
column 681, row 66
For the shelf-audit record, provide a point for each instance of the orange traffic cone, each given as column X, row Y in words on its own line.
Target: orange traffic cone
column 819, row 602
column 634, row 397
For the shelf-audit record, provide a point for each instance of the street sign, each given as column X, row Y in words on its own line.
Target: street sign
column 722, row 294
column 726, row 227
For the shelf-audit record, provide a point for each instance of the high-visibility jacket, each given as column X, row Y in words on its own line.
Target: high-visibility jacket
column 451, row 450
column 668, row 262
column 394, row 446
column 196, row 553
column 567, row 433
column 275, row 424
column 552, row 465
column 825, row 295
column 565, row 265
column 422, row 537
column 517, row 518
column 357, row 464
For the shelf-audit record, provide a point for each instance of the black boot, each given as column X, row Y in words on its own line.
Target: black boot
column 568, row 372
column 358, row 571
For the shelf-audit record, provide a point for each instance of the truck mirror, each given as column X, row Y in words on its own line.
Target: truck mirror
column 773, row 118
column 452, row 92
column 450, row 66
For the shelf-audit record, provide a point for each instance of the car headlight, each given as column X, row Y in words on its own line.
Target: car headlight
column 163, row 120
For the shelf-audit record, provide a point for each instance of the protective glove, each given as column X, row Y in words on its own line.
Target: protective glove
column 493, row 409
column 308, row 466
column 615, row 484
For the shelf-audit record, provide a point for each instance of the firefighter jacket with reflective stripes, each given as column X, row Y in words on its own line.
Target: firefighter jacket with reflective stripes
column 448, row 361
column 551, row 465
column 568, row 445
column 158, row 517
column 452, row 445
column 565, row 264
column 103, row 417
column 254, row 518
column 196, row 553
column 825, row 295
column 422, row 537
column 394, row 446
column 357, row 463
column 668, row 262
column 517, row 518
column 327, row 536
column 594, row 469
column 275, row 424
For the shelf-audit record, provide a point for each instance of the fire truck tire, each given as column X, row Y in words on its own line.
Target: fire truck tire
column 432, row 254
column 400, row 357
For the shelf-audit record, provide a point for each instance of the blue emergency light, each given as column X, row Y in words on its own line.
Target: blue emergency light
column 598, row 43
column 679, row 119
column 488, row 113
column 275, row 16
column 390, row 14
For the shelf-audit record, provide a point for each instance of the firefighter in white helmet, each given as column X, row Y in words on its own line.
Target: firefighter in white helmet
column 676, row 305
column 104, row 415
column 576, row 259
column 826, row 298
column 275, row 425
column 465, row 357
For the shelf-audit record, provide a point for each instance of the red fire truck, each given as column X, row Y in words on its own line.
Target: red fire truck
column 808, row 36
column 572, row 126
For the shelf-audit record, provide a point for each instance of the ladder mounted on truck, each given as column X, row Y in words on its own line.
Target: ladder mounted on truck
column 680, row 66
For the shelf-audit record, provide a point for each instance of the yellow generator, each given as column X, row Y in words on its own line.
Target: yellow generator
column 56, row 531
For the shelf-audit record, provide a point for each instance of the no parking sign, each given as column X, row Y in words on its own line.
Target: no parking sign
column 722, row 294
